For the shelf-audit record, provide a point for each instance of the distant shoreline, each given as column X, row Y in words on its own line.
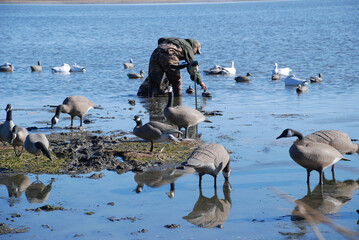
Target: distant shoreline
column 119, row 1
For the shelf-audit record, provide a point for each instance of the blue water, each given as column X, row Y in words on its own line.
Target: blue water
column 310, row 37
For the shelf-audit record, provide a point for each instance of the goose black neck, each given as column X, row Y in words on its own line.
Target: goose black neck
column 43, row 149
column 9, row 115
column 139, row 123
column 298, row 134
column 59, row 110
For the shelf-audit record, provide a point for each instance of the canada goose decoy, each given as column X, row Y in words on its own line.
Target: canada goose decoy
column 301, row 88
column 213, row 70
column 244, row 78
column 210, row 159
column 182, row 116
column 37, row 144
column 36, row 68
column 291, row 80
column 136, row 75
column 206, row 94
column 6, row 126
column 316, row 79
column 6, row 67
column 154, row 131
column 311, row 155
column 75, row 106
column 65, row 68
column 17, row 137
column 229, row 70
column 128, row 65
column 77, row 68
column 283, row 72
column 190, row 90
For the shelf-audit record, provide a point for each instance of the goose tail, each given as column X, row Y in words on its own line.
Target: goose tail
column 207, row 121
column 345, row 159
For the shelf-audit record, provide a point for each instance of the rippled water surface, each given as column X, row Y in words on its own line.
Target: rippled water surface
column 310, row 37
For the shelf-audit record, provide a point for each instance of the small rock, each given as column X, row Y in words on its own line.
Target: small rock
column 15, row 215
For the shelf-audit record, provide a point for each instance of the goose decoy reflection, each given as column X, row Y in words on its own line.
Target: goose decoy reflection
column 328, row 198
column 16, row 184
column 311, row 155
column 210, row 159
column 211, row 212
column 36, row 68
column 6, row 126
column 38, row 192
column 182, row 116
column 154, row 131
column 158, row 176
column 75, row 106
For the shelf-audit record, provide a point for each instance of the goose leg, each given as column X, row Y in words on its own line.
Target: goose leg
column 321, row 176
column 186, row 132
column 215, row 182
column 308, row 176
column 200, row 180
column 81, row 117
column 151, row 149
column 72, row 121
column 333, row 173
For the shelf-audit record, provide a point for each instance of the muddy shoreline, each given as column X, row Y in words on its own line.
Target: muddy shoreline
column 80, row 152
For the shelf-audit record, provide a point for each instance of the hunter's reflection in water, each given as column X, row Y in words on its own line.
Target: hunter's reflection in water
column 161, row 175
column 16, row 184
column 328, row 198
column 155, row 106
column 38, row 192
column 211, row 212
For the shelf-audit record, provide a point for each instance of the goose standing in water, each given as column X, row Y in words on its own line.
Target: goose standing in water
column 154, row 131
column 244, row 78
column 310, row 154
column 318, row 79
column 7, row 126
column 128, row 65
column 75, row 106
column 36, row 68
column 37, row 144
column 65, row 68
column 182, row 116
column 136, row 75
column 7, row 67
column 17, row 137
column 229, row 70
column 210, row 159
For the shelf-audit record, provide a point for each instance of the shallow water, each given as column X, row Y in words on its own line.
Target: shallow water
column 307, row 36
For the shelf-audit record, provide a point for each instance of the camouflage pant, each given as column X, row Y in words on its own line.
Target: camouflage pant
column 160, row 63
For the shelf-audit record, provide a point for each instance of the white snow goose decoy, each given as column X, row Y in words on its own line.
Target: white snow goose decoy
column 77, row 68
column 6, row 67
column 229, row 70
column 291, row 80
column 65, row 68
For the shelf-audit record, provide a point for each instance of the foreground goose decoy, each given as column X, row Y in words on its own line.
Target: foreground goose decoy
column 229, row 70
column 36, row 68
column 75, row 106
column 77, row 68
column 316, row 79
column 301, row 88
column 6, row 126
column 17, row 137
column 129, row 64
column 37, row 144
column 6, row 67
column 210, row 159
column 154, row 131
column 65, row 68
column 182, row 116
column 283, row 72
column 291, row 80
column 246, row 78
column 311, row 155
column 213, row 70
column 136, row 75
